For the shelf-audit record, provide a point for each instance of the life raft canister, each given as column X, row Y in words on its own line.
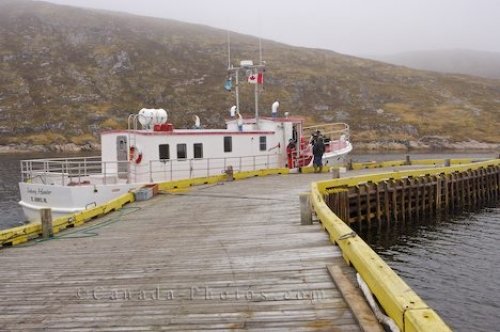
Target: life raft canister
column 135, row 154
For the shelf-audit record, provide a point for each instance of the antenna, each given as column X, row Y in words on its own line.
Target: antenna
column 228, row 50
column 260, row 50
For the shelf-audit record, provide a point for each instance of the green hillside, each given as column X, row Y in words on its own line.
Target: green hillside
column 68, row 73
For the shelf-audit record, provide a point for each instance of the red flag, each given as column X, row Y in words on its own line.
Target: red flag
column 260, row 78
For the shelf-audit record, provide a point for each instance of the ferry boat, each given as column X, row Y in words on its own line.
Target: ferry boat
column 152, row 150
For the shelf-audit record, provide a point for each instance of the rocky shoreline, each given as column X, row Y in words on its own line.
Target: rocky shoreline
column 62, row 148
column 424, row 146
column 421, row 146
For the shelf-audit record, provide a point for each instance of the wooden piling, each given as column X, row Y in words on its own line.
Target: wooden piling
column 387, row 204
column 305, row 209
column 368, row 204
column 437, row 194
column 403, row 200
column 423, row 189
column 379, row 208
column 229, row 173
column 410, row 198
column 358, row 209
column 46, row 218
column 446, row 186
column 394, row 202
column 416, row 198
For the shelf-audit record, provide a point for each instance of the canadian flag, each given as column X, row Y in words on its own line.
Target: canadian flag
column 256, row 78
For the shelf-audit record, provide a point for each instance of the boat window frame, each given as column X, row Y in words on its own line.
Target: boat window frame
column 160, row 154
column 197, row 146
column 228, row 144
column 178, row 150
column 262, row 143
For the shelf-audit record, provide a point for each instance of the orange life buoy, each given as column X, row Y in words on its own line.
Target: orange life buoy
column 135, row 154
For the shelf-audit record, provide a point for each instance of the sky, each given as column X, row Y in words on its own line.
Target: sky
column 356, row 27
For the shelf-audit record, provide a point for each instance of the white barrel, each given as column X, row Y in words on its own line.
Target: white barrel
column 145, row 117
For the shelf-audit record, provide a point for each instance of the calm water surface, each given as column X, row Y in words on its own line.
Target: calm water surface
column 453, row 265
column 10, row 212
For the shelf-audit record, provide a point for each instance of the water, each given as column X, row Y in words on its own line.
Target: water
column 11, row 213
column 453, row 265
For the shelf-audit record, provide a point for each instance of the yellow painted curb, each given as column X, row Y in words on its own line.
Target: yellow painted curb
column 399, row 301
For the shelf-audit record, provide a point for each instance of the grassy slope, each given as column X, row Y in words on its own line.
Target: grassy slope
column 66, row 73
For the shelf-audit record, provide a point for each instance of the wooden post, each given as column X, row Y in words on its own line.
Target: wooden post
column 46, row 217
column 417, row 198
column 359, row 219
column 482, row 186
column 424, row 196
column 387, row 203
column 403, row 200
column 345, row 206
column 467, row 190
column 452, row 192
column 410, row 198
column 462, row 190
column 430, row 195
column 229, row 173
column 489, row 185
column 478, row 189
column 496, row 183
column 438, row 194
column 379, row 208
column 368, row 188
column 408, row 161
column 394, row 196
column 335, row 173
column 446, row 193
column 474, row 190
column 305, row 209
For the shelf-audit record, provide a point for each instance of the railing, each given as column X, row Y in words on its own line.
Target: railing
column 330, row 132
column 91, row 170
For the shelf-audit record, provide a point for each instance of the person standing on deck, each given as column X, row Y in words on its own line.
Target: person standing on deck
column 318, row 151
column 314, row 137
column 274, row 109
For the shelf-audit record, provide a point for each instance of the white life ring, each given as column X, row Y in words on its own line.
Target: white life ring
column 135, row 154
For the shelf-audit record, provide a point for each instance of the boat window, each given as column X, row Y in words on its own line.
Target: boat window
column 181, row 151
column 228, row 144
column 198, row 150
column 263, row 143
column 164, row 151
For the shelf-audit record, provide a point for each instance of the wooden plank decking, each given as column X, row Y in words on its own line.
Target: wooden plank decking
column 224, row 257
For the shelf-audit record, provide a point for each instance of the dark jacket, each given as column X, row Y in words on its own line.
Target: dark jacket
column 318, row 147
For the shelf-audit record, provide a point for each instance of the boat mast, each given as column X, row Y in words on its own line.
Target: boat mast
column 246, row 66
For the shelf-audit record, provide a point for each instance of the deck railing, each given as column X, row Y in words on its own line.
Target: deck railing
column 331, row 131
column 92, row 170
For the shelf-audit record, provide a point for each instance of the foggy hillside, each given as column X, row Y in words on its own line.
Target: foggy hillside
column 68, row 73
column 468, row 62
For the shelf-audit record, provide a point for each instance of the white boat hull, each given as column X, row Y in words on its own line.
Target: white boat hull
column 64, row 200
column 337, row 157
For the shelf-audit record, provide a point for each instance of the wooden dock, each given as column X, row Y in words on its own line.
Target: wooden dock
column 229, row 256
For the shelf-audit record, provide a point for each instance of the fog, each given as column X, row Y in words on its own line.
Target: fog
column 357, row 27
